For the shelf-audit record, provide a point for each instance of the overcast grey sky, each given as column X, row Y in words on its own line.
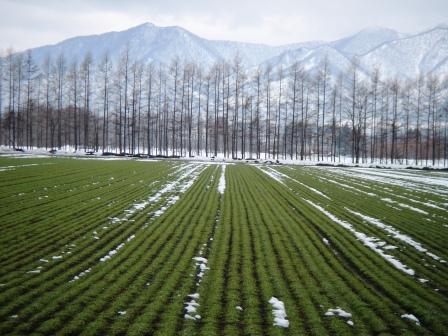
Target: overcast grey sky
column 30, row 23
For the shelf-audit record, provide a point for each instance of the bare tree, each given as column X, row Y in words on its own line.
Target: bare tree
column 198, row 131
column 31, row 70
column 60, row 73
column 86, row 74
column 268, row 111
column 149, row 74
column 207, row 117
column 295, row 78
column 394, row 126
column 417, row 122
column 324, row 76
column 105, row 70
column 258, row 112
column 276, row 146
column 373, row 141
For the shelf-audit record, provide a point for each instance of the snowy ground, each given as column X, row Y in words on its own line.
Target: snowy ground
column 345, row 161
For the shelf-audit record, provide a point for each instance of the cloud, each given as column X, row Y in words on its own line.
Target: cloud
column 28, row 23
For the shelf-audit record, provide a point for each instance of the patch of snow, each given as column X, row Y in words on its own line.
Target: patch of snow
column 273, row 174
column 279, row 312
column 411, row 317
column 116, row 249
column 338, row 312
column 222, row 180
column 191, row 307
column 6, row 168
column 201, row 262
column 76, row 277
column 301, row 183
column 407, row 206
column 181, row 186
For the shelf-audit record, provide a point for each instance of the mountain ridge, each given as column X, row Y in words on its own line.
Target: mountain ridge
column 398, row 54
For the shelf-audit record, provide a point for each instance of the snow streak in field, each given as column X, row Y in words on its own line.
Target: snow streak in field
column 192, row 304
column 273, row 174
column 396, row 234
column 426, row 180
column 301, row 183
column 181, row 185
column 111, row 253
column 67, row 249
column 408, row 198
column 201, row 264
column 386, row 199
column 6, row 168
column 403, row 205
column 222, row 180
column 189, row 175
column 373, row 243
column 345, row 186
column 436, row 186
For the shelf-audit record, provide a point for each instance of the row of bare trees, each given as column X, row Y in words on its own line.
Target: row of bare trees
column 183, row 109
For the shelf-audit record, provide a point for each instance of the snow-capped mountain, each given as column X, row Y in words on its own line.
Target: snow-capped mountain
column 365, row 40
column 148, row 42
column 396, row 54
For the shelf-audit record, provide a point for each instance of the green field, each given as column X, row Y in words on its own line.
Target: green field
column 124, row 247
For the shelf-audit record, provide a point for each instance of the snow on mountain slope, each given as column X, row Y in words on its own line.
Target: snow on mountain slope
column 311, row 59
column 337, row 62
column 395, row 53
column 365, row 40
column 146, row 42
column 421, row 53
column 250, row 54
column 288, row 58
column 151, row 43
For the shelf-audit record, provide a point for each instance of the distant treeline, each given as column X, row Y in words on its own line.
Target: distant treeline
column 183, row 109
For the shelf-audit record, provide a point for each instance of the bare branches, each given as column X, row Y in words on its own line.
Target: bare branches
column 184, row 109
